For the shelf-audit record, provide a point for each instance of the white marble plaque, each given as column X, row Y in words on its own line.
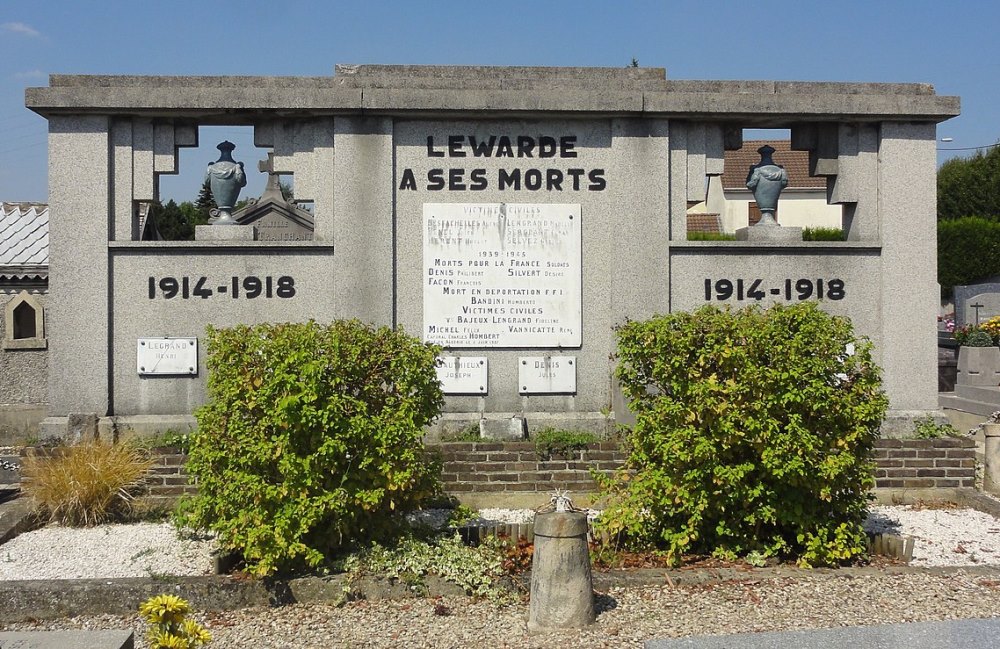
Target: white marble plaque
column 502, row 274
column 158, row 356
column 463, row 374
column 546, row 374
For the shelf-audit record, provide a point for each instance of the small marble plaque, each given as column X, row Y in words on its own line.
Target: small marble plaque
column 546, row 374
column 165, row 356
column 463, row 374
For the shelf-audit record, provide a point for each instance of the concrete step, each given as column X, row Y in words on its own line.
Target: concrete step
column 7, row 476
column 955, row 402
column 121, row 639
column 978, row 393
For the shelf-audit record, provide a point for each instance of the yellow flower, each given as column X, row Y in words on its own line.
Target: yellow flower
column 164, row 609
column 164, row 640
column 196, row 633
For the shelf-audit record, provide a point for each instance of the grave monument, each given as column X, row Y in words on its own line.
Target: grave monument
column 512, row 215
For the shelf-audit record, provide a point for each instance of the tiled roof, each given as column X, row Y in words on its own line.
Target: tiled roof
column 796, row 163
column 703, row 223
column 24, row 234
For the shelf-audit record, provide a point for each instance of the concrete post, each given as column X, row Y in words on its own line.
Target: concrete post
column 991, row 479
column 562, row 593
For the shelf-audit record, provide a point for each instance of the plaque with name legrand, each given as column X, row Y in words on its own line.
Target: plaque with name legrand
column 502, row 275
column 166, row 356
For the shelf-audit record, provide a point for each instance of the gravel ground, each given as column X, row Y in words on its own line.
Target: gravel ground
column 627, row 616
column 943, row 537
column 139, row 550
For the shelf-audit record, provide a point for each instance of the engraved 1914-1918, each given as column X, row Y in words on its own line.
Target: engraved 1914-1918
column 788, row 289
column 236, row 287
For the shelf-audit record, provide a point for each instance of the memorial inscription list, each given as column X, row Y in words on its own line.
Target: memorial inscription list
column 502, row 275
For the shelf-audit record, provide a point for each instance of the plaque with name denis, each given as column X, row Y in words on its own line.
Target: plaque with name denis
column 167, row 356
column 463, row 374
column 502, row 275
column 546, row 374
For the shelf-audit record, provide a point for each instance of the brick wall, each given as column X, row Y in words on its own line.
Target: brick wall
column 168, row 480
column 485, row 467
column 925, row 463
column 515, row 466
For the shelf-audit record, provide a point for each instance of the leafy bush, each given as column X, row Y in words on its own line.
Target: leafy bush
column 479, row 570
column 978, row 338
column 169, row 627
column 928, row 428
column 87, row 484
column 311, row 438
column 754, row 433
column 822, row 234
column 551, row 442
column 968, row 251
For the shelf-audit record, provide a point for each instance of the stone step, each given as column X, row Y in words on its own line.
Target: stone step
column 8, row 476
column 978, row 393
column 955, row 402
column 119, row 639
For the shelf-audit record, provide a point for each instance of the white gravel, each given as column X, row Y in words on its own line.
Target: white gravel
column 138, row 550
column 944, row 537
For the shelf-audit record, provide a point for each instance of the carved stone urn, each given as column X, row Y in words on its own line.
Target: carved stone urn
column 766, row 180
column 226, row 178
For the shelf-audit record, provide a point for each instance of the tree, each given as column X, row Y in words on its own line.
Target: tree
column 176, row 222
column 970, row 186
column 205, row 201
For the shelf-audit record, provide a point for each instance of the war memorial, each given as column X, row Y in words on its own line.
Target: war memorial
column 512, row 215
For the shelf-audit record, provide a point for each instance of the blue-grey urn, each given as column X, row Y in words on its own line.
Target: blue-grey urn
column 226, row 178
column 766, row 180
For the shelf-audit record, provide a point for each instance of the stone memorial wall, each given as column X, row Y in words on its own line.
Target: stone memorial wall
column 512, row 215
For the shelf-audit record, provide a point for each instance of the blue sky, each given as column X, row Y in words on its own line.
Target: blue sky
column 953, row 45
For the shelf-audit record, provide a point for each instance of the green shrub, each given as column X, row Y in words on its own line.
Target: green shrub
column 754, row 433
column 978, row 338
column 479, row 570
column 928, row 428
column 822, row 234
column 551, row 442
column 86, row 484
column 311, row 438
column 968, row 251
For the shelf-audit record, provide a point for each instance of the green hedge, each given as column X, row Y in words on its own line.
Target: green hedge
column 822, row 234
column 754, row 434
column 968, row 251
column 311, row 438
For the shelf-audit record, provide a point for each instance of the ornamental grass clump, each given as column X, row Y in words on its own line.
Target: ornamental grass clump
column 754, row 435
column 86, row 484
column 169, row 627
column 311, row 439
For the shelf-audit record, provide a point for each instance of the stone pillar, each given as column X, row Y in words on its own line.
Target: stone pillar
column 562, row 593
column 907, row 196
column 79, row 229
column 991, row 478
column 364, row 220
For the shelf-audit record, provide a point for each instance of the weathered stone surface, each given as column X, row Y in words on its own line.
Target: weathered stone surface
column 487, row 89
column 45, row 599
column 562, row 593
column 124, row 639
